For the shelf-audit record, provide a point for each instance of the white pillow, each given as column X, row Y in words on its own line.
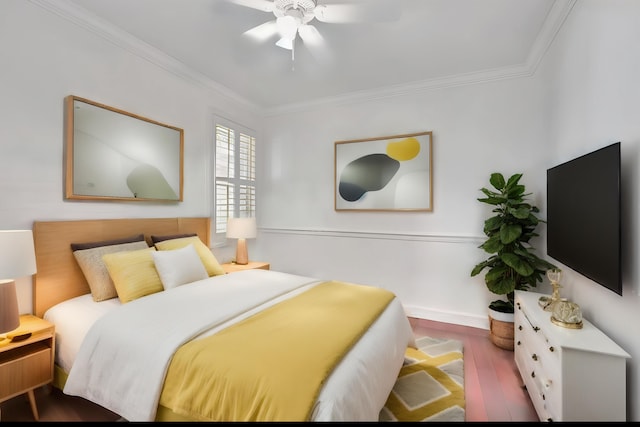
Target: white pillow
column 179, row 266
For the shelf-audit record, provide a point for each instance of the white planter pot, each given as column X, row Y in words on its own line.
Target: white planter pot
column 503, row 317
column 501, row 329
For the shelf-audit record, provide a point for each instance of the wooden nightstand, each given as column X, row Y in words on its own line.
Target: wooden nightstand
column 231, row 267
column 27, row 364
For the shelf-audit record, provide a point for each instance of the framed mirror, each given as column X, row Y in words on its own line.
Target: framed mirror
column 115, row 155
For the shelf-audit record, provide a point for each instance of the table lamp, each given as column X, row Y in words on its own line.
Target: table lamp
column 17, row 259
column 241, row 229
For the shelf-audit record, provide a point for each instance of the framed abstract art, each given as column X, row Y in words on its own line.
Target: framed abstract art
column 388, row 173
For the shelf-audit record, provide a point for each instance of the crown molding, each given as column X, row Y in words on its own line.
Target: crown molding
column 79, row 16
column 404, row 89
column 552, row 24
column 127, row 41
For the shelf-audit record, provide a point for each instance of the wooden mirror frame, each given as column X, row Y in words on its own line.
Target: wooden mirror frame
column 111, row 154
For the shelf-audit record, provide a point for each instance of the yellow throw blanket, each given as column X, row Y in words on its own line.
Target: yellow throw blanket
column 272, row 365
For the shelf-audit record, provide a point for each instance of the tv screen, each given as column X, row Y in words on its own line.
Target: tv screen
column 583, row 216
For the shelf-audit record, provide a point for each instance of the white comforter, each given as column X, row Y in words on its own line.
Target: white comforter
column 123, row 359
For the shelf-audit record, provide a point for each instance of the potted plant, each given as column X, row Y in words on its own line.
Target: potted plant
column 512, row 264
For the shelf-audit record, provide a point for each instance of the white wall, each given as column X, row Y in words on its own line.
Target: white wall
column 45, row 58
column 593, row 74
column 425, row 258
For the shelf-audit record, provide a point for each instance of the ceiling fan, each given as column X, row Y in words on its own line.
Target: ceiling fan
column 293, row 18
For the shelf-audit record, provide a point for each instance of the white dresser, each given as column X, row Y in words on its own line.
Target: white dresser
column 570, row 374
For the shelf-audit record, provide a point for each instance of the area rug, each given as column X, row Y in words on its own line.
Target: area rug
column 430, row 385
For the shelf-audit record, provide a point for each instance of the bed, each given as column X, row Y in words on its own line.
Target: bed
column 256, row 345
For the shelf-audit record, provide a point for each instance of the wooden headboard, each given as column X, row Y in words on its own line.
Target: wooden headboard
column 59, row 277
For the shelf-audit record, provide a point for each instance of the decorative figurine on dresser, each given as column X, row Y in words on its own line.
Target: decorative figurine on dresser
column 564, row 312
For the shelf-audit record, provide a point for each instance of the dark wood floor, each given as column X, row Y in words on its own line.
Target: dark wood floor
column 493, row 387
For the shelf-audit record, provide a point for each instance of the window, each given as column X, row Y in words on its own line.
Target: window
column 235, row 179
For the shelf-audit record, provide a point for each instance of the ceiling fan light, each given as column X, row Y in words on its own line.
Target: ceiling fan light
column 288, row 25
column 285, row 43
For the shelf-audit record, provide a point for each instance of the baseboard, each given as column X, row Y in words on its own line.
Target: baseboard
column 481, row 322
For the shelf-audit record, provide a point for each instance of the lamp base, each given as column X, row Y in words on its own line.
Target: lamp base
column 242, row 257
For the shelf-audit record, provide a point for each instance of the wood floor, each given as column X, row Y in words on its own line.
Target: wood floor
column 493, row 387
column 492, row 384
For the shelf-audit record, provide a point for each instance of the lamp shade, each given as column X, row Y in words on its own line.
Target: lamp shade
column 241, row 228
column 17, row 259
column 17, row 254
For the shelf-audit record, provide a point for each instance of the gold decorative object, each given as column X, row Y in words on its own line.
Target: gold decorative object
column 554, row 275
column 544, row 302
column 567, row 314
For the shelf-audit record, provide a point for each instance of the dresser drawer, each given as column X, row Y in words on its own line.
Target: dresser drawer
column 542, row 378
column 539, row 363
column 533, row 384
column 24, row 368
column 527, row 328
column 538, row 347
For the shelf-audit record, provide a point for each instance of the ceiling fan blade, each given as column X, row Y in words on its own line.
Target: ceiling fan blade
column 263, row 5
column 358, row 11
column 263, row 31
column 315, row 43
column 310, row 35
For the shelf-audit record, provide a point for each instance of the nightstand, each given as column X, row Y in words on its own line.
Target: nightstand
column 27, row 364
column 232, row 267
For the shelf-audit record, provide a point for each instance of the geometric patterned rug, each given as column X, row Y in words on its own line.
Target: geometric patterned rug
column 430, row 385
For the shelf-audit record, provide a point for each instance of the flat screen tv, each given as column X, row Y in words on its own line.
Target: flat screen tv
column 583, row 216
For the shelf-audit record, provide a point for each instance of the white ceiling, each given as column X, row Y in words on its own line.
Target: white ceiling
column 421, row 42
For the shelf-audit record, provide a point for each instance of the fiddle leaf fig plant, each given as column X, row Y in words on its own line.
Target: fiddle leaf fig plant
column 512, row 264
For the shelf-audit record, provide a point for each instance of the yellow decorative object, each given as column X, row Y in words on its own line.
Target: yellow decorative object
column 405, row 149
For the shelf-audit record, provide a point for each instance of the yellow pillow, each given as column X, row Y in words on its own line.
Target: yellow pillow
column 133, row 273
column 207, row 257
column 91, row 264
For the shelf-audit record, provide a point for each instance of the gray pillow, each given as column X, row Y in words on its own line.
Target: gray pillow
column 95, row 270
